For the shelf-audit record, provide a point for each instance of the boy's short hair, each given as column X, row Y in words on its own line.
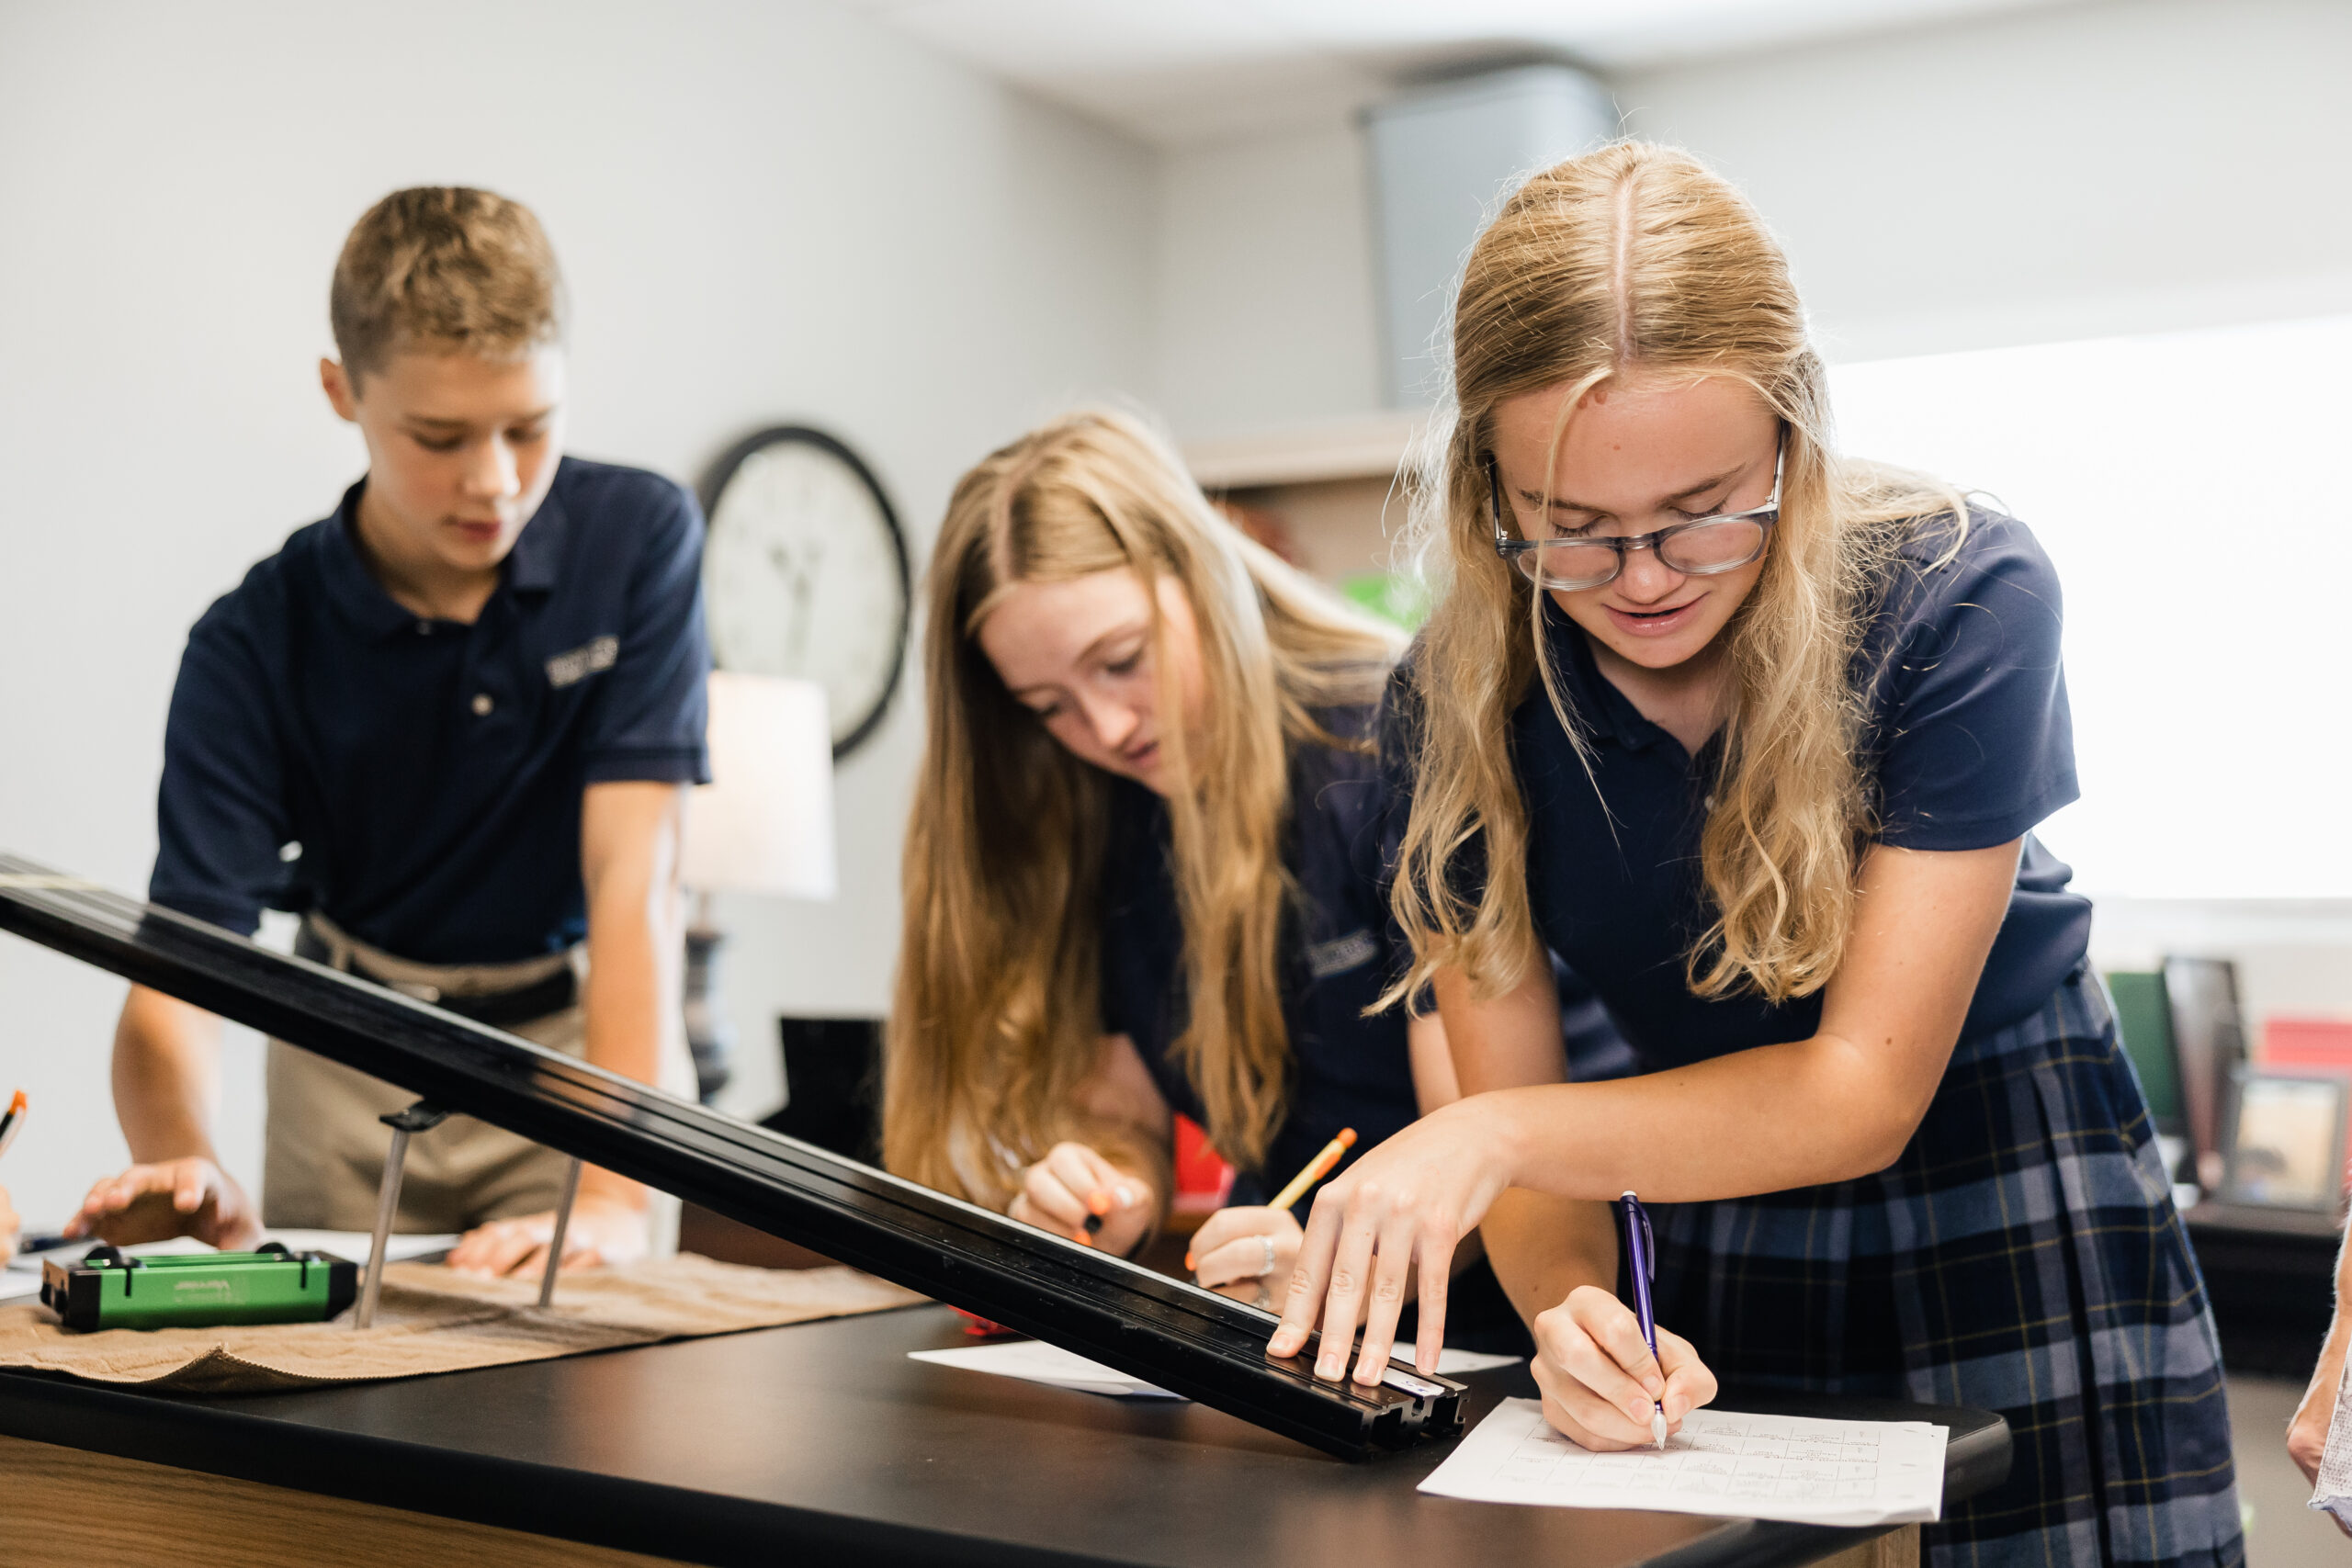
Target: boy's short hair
column 448, row 268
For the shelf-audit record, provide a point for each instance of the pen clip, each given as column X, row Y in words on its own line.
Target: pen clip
column 1643, row 1254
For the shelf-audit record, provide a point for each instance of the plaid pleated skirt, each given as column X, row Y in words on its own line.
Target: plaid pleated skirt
column 2023, row 1255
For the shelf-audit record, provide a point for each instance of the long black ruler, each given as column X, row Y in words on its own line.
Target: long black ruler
column 1187, row 1341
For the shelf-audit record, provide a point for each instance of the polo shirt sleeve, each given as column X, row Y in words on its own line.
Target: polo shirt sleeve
column 649, row 717
column 1977, row 744
column 220, row 813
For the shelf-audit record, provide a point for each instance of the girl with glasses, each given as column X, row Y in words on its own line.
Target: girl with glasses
column 1142, row 872
column 1754, row 734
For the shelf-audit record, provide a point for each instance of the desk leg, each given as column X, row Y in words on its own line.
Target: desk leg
column 1898, row 1549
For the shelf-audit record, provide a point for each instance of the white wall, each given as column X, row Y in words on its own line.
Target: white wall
column 2124, row 167
column 767, row 211
column 2132, row 167
column 1263, row 307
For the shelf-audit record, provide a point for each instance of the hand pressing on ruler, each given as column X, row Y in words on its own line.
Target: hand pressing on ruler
column 1075, row 1191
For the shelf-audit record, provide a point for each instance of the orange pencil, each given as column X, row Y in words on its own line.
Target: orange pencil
column 1317, row 1169
column 13, row 1120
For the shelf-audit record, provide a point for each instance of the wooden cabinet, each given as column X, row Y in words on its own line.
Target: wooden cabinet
column 1323, row 496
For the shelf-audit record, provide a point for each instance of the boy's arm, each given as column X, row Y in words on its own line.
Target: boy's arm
column 634, row 1001
column 167, row 1089
column 220, row 822
column 629, row 861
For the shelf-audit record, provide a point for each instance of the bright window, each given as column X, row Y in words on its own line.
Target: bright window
column 2195, row 491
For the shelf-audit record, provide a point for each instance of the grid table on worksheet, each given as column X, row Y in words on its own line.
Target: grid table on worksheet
column 1720, row 1462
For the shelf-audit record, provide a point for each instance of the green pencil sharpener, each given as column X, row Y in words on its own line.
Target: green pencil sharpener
column 109, row 1289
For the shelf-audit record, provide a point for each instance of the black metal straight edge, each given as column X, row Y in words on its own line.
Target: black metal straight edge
column 1188, row 1340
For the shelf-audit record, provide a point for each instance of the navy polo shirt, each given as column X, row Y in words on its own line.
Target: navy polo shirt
column 1968, row 745
column 1348, row 1070
column 431, row 771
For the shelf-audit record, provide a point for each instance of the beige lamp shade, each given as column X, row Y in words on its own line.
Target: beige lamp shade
column 765, row 824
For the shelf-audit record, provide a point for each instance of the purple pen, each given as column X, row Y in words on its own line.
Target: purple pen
column 1641, row 1259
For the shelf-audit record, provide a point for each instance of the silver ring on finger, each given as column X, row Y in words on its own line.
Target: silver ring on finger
column 1268, row 1243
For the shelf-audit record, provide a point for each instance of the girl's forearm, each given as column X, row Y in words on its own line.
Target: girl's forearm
column 1542, row 1247
column 1803, row 1114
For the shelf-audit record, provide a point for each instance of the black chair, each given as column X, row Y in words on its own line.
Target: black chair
column 832, row 1085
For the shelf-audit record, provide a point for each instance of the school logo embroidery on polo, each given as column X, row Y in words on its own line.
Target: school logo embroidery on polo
column 1324, row 959
column 588, row 659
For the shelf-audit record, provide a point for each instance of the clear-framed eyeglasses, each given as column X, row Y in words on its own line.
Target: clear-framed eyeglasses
column 1701, row 547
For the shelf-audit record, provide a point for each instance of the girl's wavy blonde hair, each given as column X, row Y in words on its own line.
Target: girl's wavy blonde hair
column 1639, row 260
column 998, row 1020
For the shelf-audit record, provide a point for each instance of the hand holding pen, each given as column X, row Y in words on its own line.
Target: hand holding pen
column 1611, row 1377
column 1074, row 1191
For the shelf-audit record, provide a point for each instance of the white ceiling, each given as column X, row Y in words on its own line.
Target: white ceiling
column 1184, row 72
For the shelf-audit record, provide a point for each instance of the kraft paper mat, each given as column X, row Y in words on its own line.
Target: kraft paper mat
column 431, row 1319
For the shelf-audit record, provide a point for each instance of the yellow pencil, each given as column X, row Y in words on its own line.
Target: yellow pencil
column 1317, row 1169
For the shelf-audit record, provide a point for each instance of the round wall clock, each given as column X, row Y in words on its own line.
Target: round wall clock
column 805, row 573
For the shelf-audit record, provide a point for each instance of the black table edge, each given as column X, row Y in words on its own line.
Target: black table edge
column 716, row 1530
column 545, row 1500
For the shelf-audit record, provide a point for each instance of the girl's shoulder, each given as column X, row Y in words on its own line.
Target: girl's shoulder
column 1964, row 579
column 1346, row 751
column 1945, row 555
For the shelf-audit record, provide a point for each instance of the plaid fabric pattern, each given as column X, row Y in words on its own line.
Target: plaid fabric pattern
column 2022, row 1255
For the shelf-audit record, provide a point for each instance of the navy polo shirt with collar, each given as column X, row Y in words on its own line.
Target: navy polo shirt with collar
column 1348, row 1069
column 419, row 782
column 1967, row 744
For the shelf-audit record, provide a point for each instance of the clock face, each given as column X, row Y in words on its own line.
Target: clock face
column 805, row 574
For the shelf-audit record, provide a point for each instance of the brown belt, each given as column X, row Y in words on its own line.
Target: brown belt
column 499, row 1010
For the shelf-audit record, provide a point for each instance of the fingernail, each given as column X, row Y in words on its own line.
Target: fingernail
column 1190, row 1262
column 1098, row 1201
column 1653, row 1386
column 1329, row 1367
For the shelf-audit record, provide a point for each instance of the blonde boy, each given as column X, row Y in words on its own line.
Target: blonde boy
column 449, row 725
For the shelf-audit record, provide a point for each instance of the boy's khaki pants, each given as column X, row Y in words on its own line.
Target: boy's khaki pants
column 324, row 1146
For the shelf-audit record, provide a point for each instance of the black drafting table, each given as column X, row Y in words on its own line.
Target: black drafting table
column 822, row 1443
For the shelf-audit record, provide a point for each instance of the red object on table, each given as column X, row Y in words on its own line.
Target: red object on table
column 1203, row 1178
column 979, row 1327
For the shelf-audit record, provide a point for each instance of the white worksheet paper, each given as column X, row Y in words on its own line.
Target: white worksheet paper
column 1722, row 1462
column 1032, row 1361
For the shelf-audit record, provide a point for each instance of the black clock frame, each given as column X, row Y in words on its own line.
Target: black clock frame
column 714, row 485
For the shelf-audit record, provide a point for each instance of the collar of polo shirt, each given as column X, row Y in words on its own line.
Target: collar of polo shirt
column 532, row 567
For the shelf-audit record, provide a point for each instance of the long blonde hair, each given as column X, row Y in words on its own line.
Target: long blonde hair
column 998, row 1019
column 1638, row 258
